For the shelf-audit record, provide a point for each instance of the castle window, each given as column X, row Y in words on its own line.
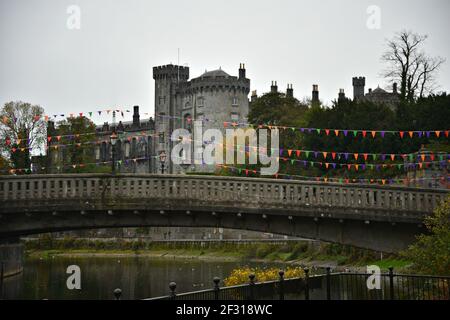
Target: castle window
column 235, row 102
column 97, row 153
column 161, row 137
column 187, row 121
column 127, row 149
column 201, row 102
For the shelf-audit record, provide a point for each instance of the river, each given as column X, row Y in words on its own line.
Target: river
column 138, row 277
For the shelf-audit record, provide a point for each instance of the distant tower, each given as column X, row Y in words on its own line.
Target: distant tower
column 289, row 91
column 341, row 96
column 167, row 80
column 358, row 87
column 315, row 93
column 274, row 87
column 254, row 96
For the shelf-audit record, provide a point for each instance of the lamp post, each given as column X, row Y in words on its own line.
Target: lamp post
column 113, row 139
column 162, row 160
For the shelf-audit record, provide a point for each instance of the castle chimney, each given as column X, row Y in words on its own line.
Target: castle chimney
column 289, row 91
column 274, row 87
column 241, row 71
column 394, row 87
column 315, row 93
column 136, row 122
column 341, row 96
column 358, row 87
column 254, row 96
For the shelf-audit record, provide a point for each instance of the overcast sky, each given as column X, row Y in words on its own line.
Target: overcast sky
column 108, row 61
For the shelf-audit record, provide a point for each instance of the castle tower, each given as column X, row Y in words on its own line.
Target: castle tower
column 358, row 87
column 167, row 78
column 315, row 94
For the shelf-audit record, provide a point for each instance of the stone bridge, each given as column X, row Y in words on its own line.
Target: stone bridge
column 382, row 218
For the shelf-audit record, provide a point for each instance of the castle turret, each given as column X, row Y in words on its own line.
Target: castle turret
column 168, row 78
column 315, row 93
column 241, row 71
column 274, row 87
column 289, row 91
column 358, row 87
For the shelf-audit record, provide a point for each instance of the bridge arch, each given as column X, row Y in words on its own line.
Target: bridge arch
column 376, row 217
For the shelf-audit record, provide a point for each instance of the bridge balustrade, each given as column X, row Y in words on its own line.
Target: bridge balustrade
column 219, row 189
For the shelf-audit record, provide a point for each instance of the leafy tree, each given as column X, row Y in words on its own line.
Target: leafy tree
column 77, row 145
column 431, row 253
column 22, row 129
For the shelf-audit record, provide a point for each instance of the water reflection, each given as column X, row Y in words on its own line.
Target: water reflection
column 138, row 277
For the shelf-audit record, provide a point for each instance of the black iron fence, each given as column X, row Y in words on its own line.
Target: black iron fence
column 329, row 286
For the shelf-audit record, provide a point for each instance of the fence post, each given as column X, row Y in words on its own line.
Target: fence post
column 216, row 281
column 281, row 274
column 391, row 283
column 252, row 286
column 117, row 293
column 328, row 283
column 306, row 283
column 172, row 287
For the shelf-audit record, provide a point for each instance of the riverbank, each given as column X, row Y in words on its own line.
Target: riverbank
column 301, row 253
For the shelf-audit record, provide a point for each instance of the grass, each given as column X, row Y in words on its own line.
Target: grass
column 299, row 252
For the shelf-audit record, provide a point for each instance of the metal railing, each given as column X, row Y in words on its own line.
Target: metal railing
column 329, row 286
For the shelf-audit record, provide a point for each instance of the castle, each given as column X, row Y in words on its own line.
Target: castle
column 214, row 97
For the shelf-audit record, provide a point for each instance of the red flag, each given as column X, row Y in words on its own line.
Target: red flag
column 401, row 134
column 365, row 156
column 298, row 153
column 327, row 131
column 364, row 132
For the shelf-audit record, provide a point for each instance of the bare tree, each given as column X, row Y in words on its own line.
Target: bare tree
column 21, row 130
column 409, row 64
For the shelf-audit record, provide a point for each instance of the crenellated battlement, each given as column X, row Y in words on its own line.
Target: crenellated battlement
column 171, row 71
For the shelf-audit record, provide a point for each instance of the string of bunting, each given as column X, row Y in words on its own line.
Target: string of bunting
column 74, row 165
column 384, row 181
column 348, row 132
